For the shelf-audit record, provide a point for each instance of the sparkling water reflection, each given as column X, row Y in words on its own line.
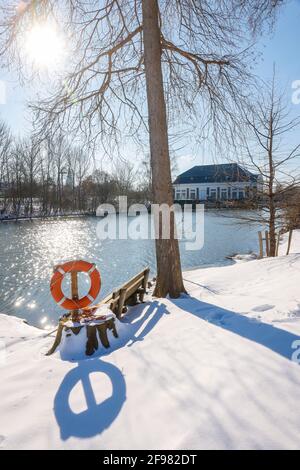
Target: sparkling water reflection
column 29, row 250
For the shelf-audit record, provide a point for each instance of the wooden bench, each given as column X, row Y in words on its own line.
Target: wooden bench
column 129, row 293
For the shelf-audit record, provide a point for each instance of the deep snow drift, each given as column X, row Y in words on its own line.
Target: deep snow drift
column 211, row 370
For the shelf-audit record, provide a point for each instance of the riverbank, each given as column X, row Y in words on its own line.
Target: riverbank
column 42, row 217
column 210, row 370
column 209, row 206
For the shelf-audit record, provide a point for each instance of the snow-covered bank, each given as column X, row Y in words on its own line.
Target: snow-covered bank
column 295, row 244
column 210, row 370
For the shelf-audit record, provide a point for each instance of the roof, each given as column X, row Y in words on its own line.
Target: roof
column 216, row 174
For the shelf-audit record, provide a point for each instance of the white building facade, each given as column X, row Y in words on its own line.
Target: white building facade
column 226, row 182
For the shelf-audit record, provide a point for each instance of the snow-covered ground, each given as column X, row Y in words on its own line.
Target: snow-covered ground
column 211, row 370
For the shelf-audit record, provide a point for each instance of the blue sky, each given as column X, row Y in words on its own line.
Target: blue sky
column 282, row 47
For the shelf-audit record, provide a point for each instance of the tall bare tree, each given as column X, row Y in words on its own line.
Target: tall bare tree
column 169, row 276
column 177, row 51
column 269, row 154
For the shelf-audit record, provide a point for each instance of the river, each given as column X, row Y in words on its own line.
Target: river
column 30, row 249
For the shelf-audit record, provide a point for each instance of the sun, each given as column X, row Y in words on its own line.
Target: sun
column 45, row 46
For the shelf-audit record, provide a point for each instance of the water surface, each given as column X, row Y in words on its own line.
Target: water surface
column 29, row 250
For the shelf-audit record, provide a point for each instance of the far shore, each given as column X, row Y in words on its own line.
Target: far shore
column 42, row 217
column 13, row 218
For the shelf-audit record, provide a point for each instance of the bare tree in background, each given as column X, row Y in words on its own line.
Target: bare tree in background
column 78, row 163
column 270, row 155
column 29, row 153
column 5, row 152
column 130, row 52
column 82, row 167
column 291, row 210
column 124, row 176
column 144, row 176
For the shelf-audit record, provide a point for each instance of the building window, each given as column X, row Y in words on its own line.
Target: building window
column 193, row 194
column 213, row 194
column 177, row 195
column 202, row 196
column 224, row 194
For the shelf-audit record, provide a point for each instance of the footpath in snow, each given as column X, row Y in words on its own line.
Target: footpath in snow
column 210, row 370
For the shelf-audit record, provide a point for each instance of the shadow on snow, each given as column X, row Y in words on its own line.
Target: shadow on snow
column 277, row 340
column 98, row 417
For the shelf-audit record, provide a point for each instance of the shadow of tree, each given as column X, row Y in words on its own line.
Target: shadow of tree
column 277, row 340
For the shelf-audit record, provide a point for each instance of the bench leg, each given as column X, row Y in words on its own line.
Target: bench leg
column 92, row 341
column 112, row 326
column 144, row 285
column 131, row 301
column 121, row 303
column 102, row 330
column 57, row 340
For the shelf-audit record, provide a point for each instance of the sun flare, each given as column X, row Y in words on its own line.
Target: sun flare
column 45, row 46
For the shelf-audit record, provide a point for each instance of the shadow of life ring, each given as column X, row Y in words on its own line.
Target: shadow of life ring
column 97, row 417
column 74, row 267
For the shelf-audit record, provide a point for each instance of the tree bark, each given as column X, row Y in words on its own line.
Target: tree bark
column 169, row 274
column 272, row 230
column 272, row 207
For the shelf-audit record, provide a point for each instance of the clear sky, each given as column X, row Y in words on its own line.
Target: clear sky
column 282, row 47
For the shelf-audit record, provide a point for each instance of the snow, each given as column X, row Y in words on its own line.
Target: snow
column 240, row 258
column 211, row 370
column 295, row 244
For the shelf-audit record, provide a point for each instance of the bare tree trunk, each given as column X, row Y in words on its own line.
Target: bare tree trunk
column 272, row 215
column 31, row 191
column 169, row 275
column 272, row 230
column 289, row 242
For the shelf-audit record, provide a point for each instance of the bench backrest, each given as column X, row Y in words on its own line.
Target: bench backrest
column 118, row 298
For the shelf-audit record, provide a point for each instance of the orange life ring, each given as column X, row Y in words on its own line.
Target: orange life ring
column 69, row 267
